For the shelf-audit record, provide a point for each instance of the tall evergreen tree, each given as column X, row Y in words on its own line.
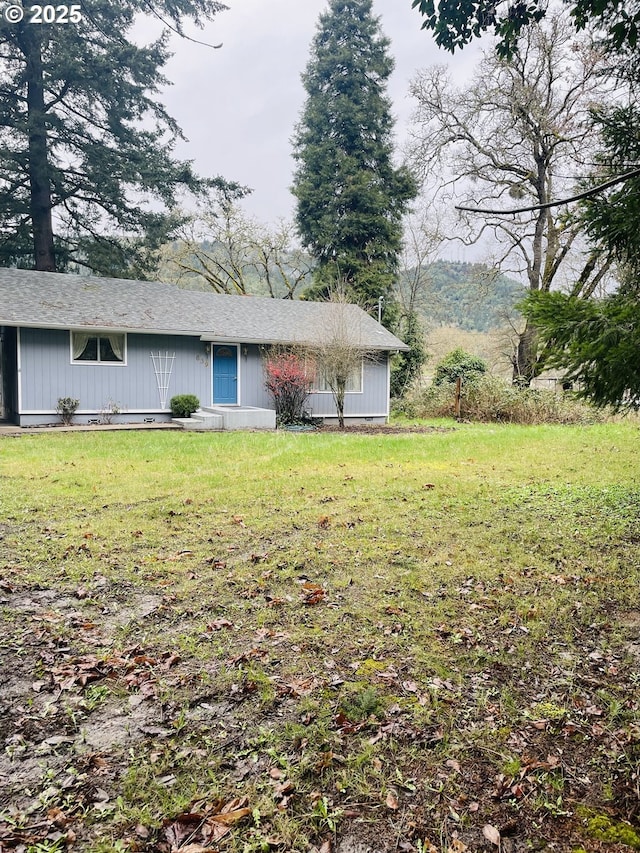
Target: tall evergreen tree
column 86, row 167
column 351, row 197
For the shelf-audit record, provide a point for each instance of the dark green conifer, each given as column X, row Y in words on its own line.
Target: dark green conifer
column 87, row 174
column 350, row 196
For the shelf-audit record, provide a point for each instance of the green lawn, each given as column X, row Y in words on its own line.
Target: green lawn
column 408, row 642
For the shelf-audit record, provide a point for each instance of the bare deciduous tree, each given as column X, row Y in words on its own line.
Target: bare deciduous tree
column 520, row 130
column 423, row 239
column 236, row 254
column 339, row 352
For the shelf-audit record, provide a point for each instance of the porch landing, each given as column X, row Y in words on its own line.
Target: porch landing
column 228, row 418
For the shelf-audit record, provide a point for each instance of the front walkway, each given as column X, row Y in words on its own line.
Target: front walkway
column 13, row 429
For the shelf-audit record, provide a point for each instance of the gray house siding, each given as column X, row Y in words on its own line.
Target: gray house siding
column 46, row 373
column 252, row 390
column 371, row 402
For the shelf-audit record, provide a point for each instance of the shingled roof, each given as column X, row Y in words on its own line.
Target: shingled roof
column 62, row 301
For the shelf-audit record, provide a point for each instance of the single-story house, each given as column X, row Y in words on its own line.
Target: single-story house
column 124, row 348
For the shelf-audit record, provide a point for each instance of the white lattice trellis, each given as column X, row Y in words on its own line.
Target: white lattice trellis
column 163, row 366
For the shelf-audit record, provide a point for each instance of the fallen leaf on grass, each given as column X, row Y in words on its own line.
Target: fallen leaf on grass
column 206, row 826
column 246, row 656
column 298, row 687
column 312, row 593
column 217, row 563
column 258, row 558
column 80, row 671
column 234, row 811
column 491, row 834
column 326, row 760
column 349, row 726
column 392, row 799
column 284, row 788
column 57, row 816
column 218, row 624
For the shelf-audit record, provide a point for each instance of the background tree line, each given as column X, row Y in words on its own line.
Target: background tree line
column 595, row 341
column 89, row 181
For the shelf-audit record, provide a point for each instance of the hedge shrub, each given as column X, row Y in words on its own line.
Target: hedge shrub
column 184, row 405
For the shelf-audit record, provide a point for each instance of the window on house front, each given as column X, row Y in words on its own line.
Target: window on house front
column 103, row 348
column 354, row 382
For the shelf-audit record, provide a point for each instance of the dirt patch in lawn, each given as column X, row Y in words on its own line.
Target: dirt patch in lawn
column 384, row 429
column 87, row 722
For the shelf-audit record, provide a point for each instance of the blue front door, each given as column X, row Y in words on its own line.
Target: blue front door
column 225, row 374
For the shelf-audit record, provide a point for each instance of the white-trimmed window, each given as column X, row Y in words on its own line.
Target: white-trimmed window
column 98, row 348
column 354, row 382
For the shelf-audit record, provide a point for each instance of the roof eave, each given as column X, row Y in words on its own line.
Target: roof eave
column 206, row 337
column 65, row 327
column 213, row 338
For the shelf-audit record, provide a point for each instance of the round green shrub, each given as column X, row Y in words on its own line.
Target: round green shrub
column 459, row 364
column 184, row 405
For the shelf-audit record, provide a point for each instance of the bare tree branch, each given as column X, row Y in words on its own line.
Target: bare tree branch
column 522, row 129
column 634, row 173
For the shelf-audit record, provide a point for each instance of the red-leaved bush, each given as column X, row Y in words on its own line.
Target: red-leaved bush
column 289, row 380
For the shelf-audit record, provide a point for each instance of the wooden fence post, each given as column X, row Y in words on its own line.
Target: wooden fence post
column 456, row 405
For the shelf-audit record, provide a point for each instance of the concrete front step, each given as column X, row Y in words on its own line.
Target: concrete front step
column 201, row 420
column 228, row 417
column 244, row 417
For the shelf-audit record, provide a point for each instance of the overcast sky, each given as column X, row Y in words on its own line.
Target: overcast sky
column 237, row 106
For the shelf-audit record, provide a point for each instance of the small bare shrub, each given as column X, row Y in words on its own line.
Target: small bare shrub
column 66, row 409
column 108, row 411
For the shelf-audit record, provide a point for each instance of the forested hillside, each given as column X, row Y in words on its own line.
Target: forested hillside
column 470, row 296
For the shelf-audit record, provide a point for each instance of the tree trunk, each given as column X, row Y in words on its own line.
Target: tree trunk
column 39, row 171
column 525, row 358
column 339, row 397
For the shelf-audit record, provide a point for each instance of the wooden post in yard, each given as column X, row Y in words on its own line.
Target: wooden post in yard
column 456, row 405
